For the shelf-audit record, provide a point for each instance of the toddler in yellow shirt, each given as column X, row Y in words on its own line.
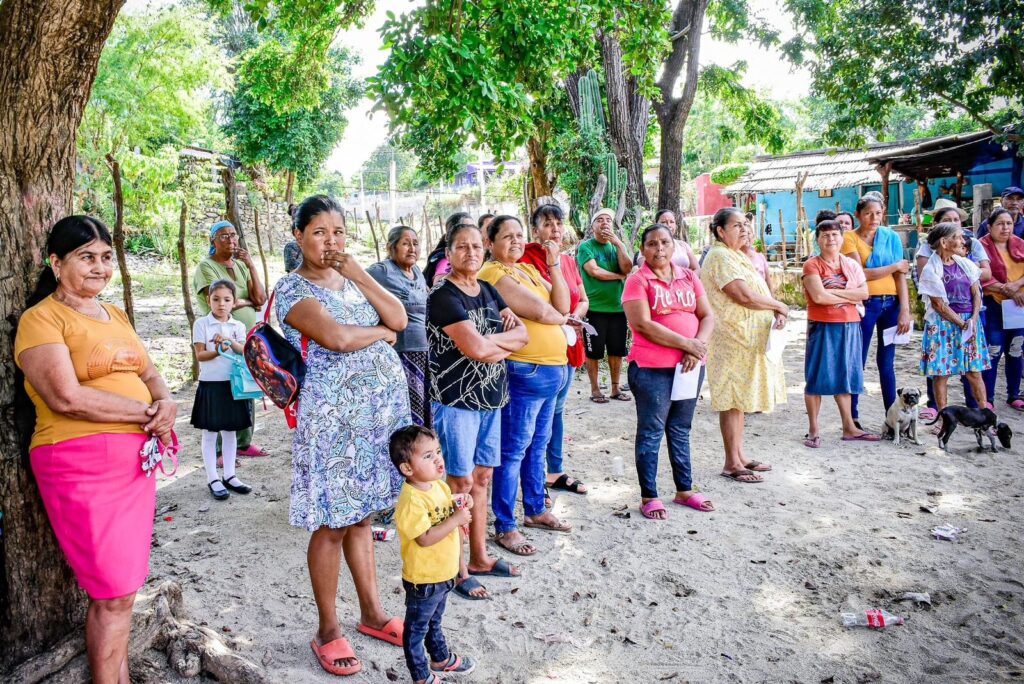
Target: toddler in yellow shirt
column 428, row 524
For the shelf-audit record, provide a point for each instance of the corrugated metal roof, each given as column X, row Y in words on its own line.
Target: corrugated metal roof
column 826, row 170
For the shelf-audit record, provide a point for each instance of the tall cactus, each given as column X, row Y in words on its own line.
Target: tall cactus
column 591, row 107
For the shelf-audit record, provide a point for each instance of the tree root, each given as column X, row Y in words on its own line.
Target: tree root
column 158, row 624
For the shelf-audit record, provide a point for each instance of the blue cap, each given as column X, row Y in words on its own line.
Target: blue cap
column 1012, row 190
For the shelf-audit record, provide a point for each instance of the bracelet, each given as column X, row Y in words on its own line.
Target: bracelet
column 555, row 265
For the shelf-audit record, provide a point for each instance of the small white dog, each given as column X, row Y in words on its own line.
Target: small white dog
column 901, row 418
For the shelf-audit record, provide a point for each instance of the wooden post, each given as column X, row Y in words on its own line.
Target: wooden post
column 227, row 177
column 801, row 179
column 884, row 171
column 118, row 237
column 782, row 230
column 259, row 246
column 760, row 226
column 186, row 292
column 958, row 192
column 373, row 233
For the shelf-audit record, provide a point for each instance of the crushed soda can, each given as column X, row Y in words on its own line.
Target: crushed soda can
column 382, row 534
column 947, row 532
column 917, row 597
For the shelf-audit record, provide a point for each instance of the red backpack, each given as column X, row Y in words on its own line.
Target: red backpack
column 276, row 366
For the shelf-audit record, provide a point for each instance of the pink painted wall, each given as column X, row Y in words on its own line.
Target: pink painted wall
column 709, row 196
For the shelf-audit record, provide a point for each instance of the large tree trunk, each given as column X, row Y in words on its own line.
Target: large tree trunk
column 289, row 192
column 672, row 111
column 228, row 179
column 540, row 181
column 628, row 115
column 118, row 236
column 49, row 51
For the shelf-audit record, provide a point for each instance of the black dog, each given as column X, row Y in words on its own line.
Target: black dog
column 982, row 421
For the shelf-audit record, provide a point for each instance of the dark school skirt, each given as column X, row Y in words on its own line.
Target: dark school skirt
column 217, row 411
column 832, row 363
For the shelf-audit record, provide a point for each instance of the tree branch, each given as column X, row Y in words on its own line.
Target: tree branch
column 986, row 123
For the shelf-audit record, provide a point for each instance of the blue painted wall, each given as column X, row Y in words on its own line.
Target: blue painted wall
column 999, row 173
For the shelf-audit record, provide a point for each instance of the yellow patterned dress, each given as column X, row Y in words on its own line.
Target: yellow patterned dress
column 740, row 376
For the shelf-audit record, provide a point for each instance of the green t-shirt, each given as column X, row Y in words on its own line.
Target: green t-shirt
column 208, row 272
column 605, row 295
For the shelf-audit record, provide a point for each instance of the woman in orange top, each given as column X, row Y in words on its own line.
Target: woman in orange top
column 97, row 398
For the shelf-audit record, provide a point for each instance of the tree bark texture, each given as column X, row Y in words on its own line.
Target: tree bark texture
column 628, row 117
column 186, row 290
column 118, row 236
column 49, row 51
column 541, row 182
column 230, row 182
column 673, row 110
column 259, row 246
column 289, row 192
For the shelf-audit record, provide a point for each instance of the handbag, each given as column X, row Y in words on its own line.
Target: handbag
column 243, row 385
column 276, row 366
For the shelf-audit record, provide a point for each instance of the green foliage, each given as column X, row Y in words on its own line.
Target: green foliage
column 491, row 71
column 728, row 173
column 150, row 98
column 298, row 140
column 760, row 119
column 377, row 170
column 869, row 57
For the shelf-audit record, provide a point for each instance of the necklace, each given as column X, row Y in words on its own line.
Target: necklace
column 99, row 314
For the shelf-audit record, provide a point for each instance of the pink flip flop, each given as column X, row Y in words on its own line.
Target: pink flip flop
column 1017, row 404
column 391, row 632
column 696, row 501
column 651, row 507
column 864, row 437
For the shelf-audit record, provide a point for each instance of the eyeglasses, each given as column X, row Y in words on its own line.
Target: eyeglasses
column 227, row 236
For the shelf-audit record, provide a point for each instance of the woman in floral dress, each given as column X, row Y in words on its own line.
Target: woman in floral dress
column 354, row 396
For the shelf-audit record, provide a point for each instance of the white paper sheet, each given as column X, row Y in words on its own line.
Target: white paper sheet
column 777, row 340
column 967, row 334
column 570, row 335
column 889, row 336
column 684, row 384
column 1013, row 315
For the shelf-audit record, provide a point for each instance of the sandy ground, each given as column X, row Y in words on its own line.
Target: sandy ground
column 749, row 593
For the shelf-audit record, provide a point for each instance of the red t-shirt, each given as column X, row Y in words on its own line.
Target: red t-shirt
column 832, row 279
column 537, row 256
column 672, row 305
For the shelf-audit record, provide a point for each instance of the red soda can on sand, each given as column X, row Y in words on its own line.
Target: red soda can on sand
column 460, row 503
column 382, row 534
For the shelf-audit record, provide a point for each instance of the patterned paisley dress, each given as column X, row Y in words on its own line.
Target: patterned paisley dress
column 349, row 405
column 740, row 376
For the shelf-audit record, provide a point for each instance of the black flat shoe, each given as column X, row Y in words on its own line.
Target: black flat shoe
column 220, row 496
column 240, row 488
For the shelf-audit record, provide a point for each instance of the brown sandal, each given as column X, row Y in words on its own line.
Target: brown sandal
column 518, row 549
column 738, row 476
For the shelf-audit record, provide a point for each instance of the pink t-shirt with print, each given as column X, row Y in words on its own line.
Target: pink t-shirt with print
column 673, row 306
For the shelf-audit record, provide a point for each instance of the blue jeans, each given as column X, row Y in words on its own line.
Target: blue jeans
column 880, row 312
column 657, row 414
column 1001, row 343
column 424, row 609
column 525, row 433
column 468, row 438
column 555, row 446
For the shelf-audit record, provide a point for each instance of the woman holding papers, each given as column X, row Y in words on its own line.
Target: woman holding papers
column 953, row 341
column 672, row 322
column 1006, row 252
column 833, row 285
column 741, row 376
column 879, row 251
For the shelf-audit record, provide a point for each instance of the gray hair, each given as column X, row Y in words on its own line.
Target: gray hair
column 395, row 234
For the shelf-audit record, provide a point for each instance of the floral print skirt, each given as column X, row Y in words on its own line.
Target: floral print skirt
column 945, row 352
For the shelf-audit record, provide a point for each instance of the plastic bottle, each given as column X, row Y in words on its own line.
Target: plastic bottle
column 872, row 619
column 617, row 468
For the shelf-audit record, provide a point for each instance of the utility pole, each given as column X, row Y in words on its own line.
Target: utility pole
column 483, row 183
column 392, row 183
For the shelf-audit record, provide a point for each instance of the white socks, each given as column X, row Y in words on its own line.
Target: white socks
column 229, row 449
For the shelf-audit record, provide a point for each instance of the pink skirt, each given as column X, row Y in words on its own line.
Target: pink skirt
column 101, row 507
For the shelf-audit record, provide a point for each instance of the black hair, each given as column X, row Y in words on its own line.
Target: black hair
column 313, row 206
column 939, row 231
column 546, row 211
column 483, row 217
column 222, row 283
column 825, row 226
column 721, row 218
column 650, row 229
column 457, row 218
column 449, row 238
column 291, row 209
column 495, row 227
column 67, row 235
column 866, row 200
column 404, row 439
column 824, row 215
column 661, row 212
column 996, row 213
column 853, row 221
column 395, row 234
column 943, row 211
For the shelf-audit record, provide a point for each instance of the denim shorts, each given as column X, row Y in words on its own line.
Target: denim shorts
column 468, row 438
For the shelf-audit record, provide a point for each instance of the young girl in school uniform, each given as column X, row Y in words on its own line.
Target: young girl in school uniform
column 215, row 410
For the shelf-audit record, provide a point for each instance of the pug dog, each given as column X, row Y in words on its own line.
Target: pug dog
column 901, row 418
